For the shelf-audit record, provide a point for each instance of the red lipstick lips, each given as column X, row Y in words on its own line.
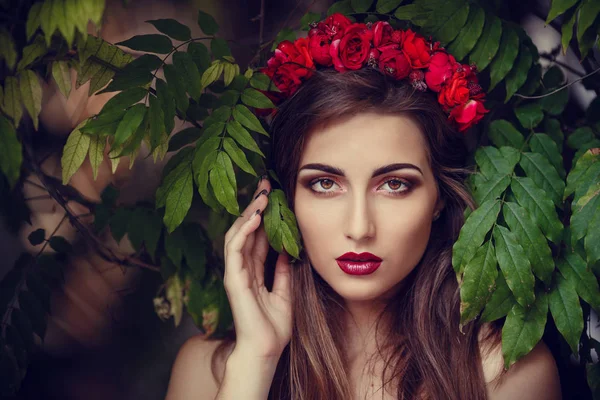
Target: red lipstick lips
column 358, row 264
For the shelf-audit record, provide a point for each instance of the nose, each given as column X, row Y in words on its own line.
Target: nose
column 360, row 223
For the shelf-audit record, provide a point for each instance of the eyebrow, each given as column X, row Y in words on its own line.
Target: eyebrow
column 379, row 171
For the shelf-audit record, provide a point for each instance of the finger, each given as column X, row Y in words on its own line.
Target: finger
column 259, row 253
column 256, row 202
column 233, row 254
column 282, row 277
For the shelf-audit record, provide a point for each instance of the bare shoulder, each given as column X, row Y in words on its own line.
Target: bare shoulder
column 191, row 375
column 535, row 376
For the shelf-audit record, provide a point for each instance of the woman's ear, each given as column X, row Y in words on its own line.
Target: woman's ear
column 440, row 204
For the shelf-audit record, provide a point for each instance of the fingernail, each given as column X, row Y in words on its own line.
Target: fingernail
column 257, row 212
column 264, row 191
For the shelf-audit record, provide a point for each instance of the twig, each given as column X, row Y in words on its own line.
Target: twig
column 557, row 90
column 51, row 235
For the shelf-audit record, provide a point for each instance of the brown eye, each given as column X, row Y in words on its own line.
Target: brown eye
column 326, row 184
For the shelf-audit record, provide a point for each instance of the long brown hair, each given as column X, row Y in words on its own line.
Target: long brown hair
column 426, row 354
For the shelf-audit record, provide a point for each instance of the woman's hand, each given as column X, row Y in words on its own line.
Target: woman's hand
column 263, row 319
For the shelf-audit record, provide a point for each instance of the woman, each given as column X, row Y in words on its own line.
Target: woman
column 369, row 165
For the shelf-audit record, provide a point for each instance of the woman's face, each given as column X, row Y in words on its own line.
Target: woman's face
column 352, row 210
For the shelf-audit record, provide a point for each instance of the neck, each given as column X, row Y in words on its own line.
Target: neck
column 360, row 326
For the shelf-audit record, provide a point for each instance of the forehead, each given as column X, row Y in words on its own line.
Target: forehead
column 367, row 140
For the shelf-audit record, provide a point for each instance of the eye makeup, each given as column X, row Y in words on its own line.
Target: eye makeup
column 394, row 183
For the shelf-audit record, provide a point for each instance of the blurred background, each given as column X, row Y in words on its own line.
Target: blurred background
column 104, row 339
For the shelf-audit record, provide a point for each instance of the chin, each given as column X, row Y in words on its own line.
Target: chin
column 359, row 288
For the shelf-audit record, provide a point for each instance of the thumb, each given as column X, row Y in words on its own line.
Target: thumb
column 281, row 279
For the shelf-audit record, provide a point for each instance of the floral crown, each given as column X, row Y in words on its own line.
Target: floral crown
column 345, row 45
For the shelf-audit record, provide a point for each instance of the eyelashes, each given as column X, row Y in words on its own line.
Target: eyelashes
column 395, row 182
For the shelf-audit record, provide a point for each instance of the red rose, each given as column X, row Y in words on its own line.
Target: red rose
column 352, row 50
column 441, row 68
column 416, row 48
column 287, row 78
column 382, row 36
column 319, row 47
column 468, row 114
column 454, row 93
column 334, row 26
column 288, row 52
column 394, row 63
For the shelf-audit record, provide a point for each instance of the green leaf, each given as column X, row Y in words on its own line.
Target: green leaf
column 229, row 70
column 478, row 282
column 170, row 173
column 523, row 329
column 410, row 12
column 222, row 180
column 179, row 197
column 12, row 157
column 207, row 23
column 469, row 34
column 238, row 156
column 104, row 123
column 588, row 14
column 518, row 75
column 311, row 17
column 32, row 52
column 342, row 7
column 504, row 60
column 488, row 43
column 514, row 265
column 177, row 87
column 212, row 74
column 152, row 43
column 164, row 94
column 473, row 233
column 538, row 168
column 543, row 144
column 361, row 6
column 491, row 162
column 532, row 239
column 7, row 49
column 446, row 20
column 194, row 250
column 172, row 28
column 558, row 7
column 492, row 188
column 37, row 237
column 157, row 123
column 184, row 137
column 253, row 98
column 540, row 207
column 131, row 121
column 534, row 77
column 33, row 20
column 244, row 116
column 200, row 55
column 74, row 153
column 580, row 136
column 124, row 99
column 262, row 82
column 62, row 76
column 96, row 152
column 31, row 94
column 503, row 133
column 243, row 137
column 575, row 270
column 98, row 60
column 189, row 73
column 12, row 99
column 384, row 6
column 219, row 48
column 553, row 129
column 567, row 27
column 566, row 311
column 202, row 167
column 280, row 224
column 583, row 210
column 529, row 115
